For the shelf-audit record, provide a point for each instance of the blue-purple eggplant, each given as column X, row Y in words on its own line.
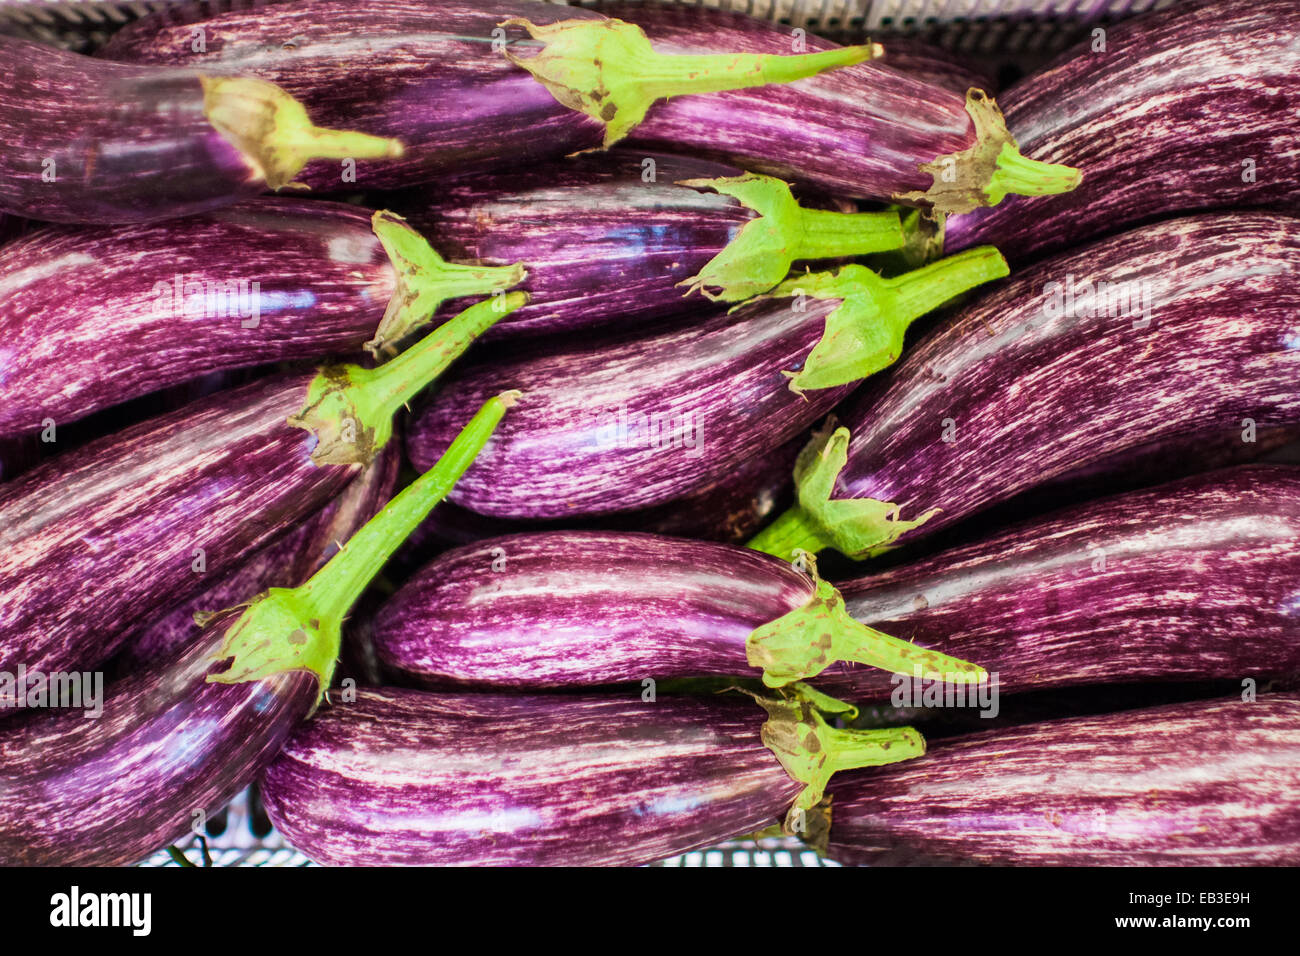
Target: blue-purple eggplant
column 181, row 735
column 1189, row 108
column 94, row 316
column 102, row 539
column 87, row 140
column 631, row 422
column 1204, row 783
column 410, row 777
column 1170, row 336
column 463, row 86
column 574, row 609
column 625, row 238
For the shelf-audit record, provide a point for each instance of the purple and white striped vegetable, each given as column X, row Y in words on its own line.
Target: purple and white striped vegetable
column 286, row 562
column 102, row 539
column 93, row 316
column 464, row 86
column 632, row 422
column 573, row 609
column 86, row 140
column 1205, row 783
column 410, row 777
column 623, row 238
column 1189, row 108
column 868, row 131
column 1166, row 336
column 1195, row 580
column 179, row 737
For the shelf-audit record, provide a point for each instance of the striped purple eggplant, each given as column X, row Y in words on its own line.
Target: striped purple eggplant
column 1190, row 108
column 86, row 140
column 1195, row 580
column 99, row 541
column 869, row 131
column 93, row 316
column 287, row 561
column 632, row 422
column 410, row 777
column 574, row 609
column 1205, row 783
column 730, row 511
column 180, row 736
column 1168, row 336
column 464, row 86
column 623, row 238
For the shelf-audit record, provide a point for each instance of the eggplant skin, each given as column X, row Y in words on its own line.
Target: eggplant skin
column 107, row 791
column 580, row 442
column 286, row 562
column 161, row 316
column 1194, row 580
column 1205, row 783
column 1193, row 107
column 1027, row 397
column 99, row 540
column 602, row 245
column 572, row 609
column 407, row 777
column 425, row 73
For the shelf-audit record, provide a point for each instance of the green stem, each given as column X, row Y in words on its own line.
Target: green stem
column 350, row 409
column 826, row 234
column 425, row 280
column 271, row 129
column 793, row 530
column 300, row 629
column 1018, row 175
column 864, row 334
column 609, row 70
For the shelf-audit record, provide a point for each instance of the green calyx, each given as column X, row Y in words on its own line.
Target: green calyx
column 811, row 750
column 300, row 629
column 425, row 280
column 864, row 333
column 807, row 640
column 988, row 171
column 350, row 409
column 271, row 129
column 761, row 255
column 609, row 70
column 856, row 527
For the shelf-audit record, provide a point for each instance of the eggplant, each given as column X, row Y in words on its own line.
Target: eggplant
column 730, row 511
column 1189, row 108
column 575, row 609
column 402, row 777
column 181, row 736
column 631, row 422
column 264, row 281
column 1194, row 580
column 100, row 540
column 88, row 141
column 1204, row 783
column 286, row 562
column 624, row 238
column 464, row 86
column 1173, row 335
column 868, row 131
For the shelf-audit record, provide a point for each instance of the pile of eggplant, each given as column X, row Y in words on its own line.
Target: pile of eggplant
column 512, row 433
